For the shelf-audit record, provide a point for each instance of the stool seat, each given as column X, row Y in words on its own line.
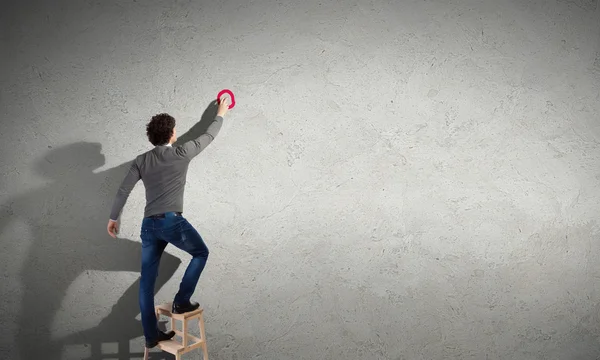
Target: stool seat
column 175, row 347
column 165, row 309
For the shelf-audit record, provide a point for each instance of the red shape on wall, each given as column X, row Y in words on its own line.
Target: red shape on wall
column 226, row 91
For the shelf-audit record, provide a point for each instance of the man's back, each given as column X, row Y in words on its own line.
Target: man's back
column 163, row 171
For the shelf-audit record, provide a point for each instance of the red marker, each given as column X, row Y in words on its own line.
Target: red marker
column 226, row 91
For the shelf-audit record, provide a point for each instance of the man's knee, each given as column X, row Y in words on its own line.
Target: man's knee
column 201, row 253
column 148, row 277
column 149, row 267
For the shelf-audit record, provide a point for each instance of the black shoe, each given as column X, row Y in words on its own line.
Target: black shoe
column 162, row 336
column 183, row 308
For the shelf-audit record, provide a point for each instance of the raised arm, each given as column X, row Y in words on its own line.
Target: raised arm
column 193, row 147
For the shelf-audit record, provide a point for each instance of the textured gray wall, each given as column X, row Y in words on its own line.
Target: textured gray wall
column 399, row 179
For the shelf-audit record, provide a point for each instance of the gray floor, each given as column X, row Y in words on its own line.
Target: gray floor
column 398, row 180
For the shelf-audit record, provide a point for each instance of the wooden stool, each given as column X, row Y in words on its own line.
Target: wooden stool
column 179, row 348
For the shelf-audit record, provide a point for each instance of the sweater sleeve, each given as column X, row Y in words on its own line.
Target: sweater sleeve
column 193, row 147
column 127, row 185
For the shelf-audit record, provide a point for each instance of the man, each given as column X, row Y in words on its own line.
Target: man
column 163, row 171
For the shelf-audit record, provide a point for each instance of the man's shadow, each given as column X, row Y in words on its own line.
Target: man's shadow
column 67, row 220
column 200, row 127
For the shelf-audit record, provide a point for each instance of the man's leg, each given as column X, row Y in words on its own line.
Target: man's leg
column 152, row 250
column 186, row 238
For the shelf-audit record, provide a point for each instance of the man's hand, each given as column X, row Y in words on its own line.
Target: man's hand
column 223, row 107
column 113, row 228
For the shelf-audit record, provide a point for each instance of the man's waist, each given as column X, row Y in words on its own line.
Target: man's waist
column 165, row 215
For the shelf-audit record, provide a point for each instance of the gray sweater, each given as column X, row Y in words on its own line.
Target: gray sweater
column 163, row 171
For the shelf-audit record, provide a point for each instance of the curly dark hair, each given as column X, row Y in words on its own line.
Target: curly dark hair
column 160, row 129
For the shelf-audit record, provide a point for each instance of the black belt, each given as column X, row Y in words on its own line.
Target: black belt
column 162, row 216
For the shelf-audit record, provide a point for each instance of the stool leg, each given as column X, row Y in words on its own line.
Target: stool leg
column 146, row 353
column 184, row 330
column 201, row 325
column 205, row 350
column 203, row 336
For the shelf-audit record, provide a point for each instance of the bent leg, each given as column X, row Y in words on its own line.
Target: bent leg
column 186, row 238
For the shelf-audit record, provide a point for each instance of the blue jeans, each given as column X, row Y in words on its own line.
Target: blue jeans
column 156, row 234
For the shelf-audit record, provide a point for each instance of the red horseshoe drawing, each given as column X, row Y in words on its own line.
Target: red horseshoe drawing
column 226, row 91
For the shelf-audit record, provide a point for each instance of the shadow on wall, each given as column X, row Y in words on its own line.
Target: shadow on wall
column 200, row 127
column 67, row 219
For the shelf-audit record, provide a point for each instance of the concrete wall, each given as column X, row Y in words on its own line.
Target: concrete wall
column 399, row 179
